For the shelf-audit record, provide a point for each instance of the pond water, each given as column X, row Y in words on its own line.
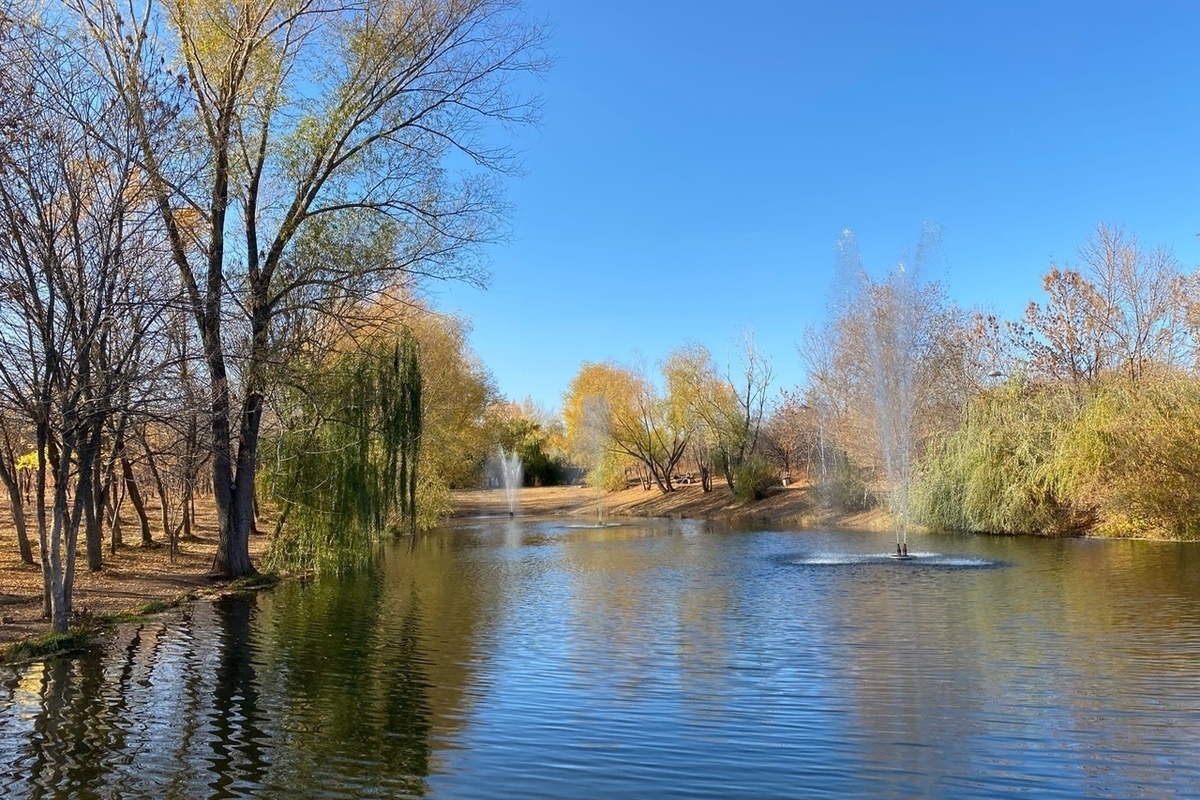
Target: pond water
column 651, row 659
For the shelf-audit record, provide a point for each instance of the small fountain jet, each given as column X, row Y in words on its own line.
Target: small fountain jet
column 510, row 478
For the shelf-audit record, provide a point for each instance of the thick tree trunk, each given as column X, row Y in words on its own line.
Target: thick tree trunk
column 232, row 559
column 662, row 481
column 233, row 549
column 234, row 499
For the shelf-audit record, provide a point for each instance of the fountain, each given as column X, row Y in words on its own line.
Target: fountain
column 893, row 348
column 593, row 444
column 510, row 473
column 893, row 329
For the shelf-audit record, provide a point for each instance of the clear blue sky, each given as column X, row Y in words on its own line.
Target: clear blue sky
column 697, row 161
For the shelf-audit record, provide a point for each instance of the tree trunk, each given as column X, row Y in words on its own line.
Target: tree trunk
column 88, row 453
column 184, row 528
column 135, row 497
column 94, row 519
column 116, row 496
column 232, row 559
column 234, row 498
column 164, row 494
column 662, row 481
column 727, row 470
column 190, row 501
column 60, row 615
column 40, row 511
column 190, row 471
column 59, row 565
column 254, row 531
column 15, row 501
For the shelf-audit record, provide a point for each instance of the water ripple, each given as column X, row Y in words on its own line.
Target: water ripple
column 529, row 659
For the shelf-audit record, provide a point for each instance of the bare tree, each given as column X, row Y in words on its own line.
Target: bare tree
column 791, row 435
column 297, row 128
column 750, row 386
column 1122, row 310
column 75, row 305
column 1141, row 296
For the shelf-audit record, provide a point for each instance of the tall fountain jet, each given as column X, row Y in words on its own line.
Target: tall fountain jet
column 895, row 320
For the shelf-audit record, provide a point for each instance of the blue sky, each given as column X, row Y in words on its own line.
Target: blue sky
column 697, row 162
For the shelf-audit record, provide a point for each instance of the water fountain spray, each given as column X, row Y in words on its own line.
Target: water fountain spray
column 893, row 334
column 511, row 471
column 594, row 443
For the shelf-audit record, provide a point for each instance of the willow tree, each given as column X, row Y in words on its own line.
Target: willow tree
column 345, row 465
column 287, row 116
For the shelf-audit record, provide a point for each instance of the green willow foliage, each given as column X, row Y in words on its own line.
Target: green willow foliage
column 346, row 463
column 1133, row 455
column 1117, row 458
column 999, row 472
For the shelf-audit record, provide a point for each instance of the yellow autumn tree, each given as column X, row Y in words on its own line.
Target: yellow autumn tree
column 612, row 410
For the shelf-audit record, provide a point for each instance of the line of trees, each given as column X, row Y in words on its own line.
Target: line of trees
column 194, row 193
column 1075, row 417
column 620, row 419
column 1080, row 415
column 1093, row 427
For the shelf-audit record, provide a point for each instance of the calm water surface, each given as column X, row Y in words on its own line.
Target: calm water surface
column 537, row 659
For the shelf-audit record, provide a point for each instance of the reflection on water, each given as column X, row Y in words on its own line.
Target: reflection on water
column 516, row 658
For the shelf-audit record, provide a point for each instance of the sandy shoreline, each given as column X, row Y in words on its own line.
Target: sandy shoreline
column 793, row 506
